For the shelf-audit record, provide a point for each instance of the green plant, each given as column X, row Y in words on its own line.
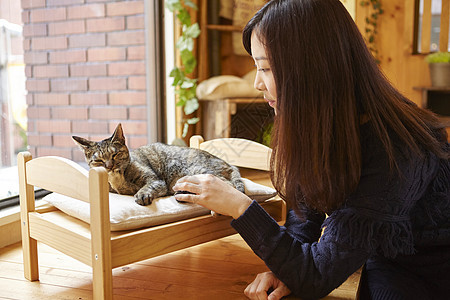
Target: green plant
column 266, row 136
column 185, row 87
column 372, row 24
column 438, row 57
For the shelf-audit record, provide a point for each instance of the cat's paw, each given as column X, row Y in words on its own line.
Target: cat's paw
column 143, row 198
column 239, row 185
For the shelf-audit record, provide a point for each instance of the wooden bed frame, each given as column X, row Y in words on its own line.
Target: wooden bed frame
column 94, row 244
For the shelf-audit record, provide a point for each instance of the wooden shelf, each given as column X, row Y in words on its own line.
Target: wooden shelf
column 224, row 27
column 240, row 100
column 216, row 55
column 432, row 88
column 229, row 117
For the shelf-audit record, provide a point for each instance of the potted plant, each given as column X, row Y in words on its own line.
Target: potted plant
column 439, row 64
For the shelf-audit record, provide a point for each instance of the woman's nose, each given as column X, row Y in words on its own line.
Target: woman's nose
column 259, row 84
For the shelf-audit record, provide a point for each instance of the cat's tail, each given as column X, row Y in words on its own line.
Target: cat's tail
column 236, row 179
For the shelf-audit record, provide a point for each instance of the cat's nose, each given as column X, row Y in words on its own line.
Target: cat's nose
column 108, row 164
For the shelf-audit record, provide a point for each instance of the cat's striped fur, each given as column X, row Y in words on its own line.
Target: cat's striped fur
column 151, row 171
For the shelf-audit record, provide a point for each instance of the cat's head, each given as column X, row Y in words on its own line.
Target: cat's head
column 111, row 153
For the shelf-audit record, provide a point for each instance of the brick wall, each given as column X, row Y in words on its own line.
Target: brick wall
column 85, row 68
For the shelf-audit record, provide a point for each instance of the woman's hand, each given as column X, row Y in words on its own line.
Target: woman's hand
column 262, row 284
column 213, row 193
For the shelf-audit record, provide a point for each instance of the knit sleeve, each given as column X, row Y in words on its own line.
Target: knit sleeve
column 306, row 229
column 311, row 270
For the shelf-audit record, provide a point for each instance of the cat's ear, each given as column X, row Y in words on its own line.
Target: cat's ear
column 83, row 143
column 118, row 134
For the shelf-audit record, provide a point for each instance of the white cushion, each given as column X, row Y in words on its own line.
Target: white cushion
column 226, row 86
column 125, row 214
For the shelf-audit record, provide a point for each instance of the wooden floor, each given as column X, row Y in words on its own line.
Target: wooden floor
column 216, row 270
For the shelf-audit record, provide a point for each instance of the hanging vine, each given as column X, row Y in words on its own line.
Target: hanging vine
column 372, row 24
column 185, row 87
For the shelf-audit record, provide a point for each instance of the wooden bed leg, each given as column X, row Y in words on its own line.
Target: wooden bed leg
column 101, row 234
column 102, row 281
column 29, row 245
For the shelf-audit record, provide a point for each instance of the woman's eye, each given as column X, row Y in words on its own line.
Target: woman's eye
column 261, row 69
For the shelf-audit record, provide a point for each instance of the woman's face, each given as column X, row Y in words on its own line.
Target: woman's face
column 264, row 80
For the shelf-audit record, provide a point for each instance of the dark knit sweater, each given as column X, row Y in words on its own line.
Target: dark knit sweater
column 388, row 221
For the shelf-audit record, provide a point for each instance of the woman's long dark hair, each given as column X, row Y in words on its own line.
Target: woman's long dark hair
column 327, row 81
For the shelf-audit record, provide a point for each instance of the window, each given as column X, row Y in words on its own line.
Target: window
column 13, row 116
column 431, row 26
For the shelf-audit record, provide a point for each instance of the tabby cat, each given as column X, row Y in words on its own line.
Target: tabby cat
column 151, row 171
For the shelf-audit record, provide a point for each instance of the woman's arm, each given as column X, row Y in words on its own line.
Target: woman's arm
column 306, row 229
column 309, row 269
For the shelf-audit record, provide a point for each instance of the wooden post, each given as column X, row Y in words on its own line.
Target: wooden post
column 26, row 194
column 100, row 233
column 202, row 57
column 443, row 34
column 426, row 27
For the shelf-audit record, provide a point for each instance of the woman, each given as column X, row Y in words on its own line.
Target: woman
column 346, row 144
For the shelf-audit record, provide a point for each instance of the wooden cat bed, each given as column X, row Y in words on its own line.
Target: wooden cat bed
column 95, row 244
